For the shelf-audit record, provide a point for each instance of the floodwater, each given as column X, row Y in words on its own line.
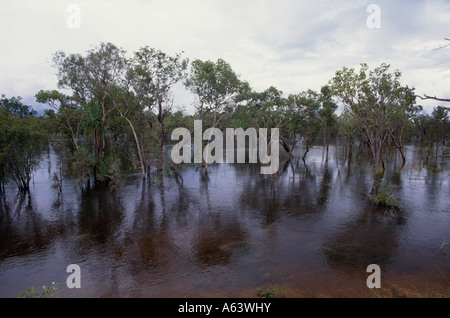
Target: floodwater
column 309, row 231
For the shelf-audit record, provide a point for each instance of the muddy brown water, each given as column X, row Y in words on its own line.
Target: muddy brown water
column 310, row 231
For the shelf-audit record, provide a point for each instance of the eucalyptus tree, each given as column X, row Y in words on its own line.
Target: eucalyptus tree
column 106, row 81
column 347, row 129
column 15, row 106
column 434, row 127
column 269, row 108
column 217, row 89
column 67, row 110
column 304, row 116
column 326, row 113
column 402, row 115
column 144, row 92
column 22, row 138
column 90, row 78
column 373, row 99
column 216, row 86
column 157, row 73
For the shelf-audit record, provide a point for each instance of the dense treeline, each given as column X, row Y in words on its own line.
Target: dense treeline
column 113, row 106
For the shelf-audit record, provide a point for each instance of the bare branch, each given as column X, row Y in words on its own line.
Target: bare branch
column 443, row 46
column 433, row 97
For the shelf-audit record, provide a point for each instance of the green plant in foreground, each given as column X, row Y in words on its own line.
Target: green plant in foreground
column 269, row 293
column 48, row 291
column 382, row 195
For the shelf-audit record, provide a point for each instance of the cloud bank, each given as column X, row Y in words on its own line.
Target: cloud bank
column 292, row 45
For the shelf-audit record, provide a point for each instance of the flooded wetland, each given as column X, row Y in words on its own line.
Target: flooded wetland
column 308, row 231
column 225, row 151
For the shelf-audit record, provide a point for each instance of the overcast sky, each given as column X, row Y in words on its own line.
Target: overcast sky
column 292, row 45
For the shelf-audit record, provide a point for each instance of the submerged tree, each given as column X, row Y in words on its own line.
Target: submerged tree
column 90, row 78
column 67, row 110
column 161, row 73
column 217, row 89
column 402, row 115
column 304, row 116
column 435, row 127
column 22, row 137
column 347, row 129
column 269, row 108
column 374, row 98
column 15, row 106
column 326, row 113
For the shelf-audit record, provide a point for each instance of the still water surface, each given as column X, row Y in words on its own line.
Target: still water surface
column 310, row 231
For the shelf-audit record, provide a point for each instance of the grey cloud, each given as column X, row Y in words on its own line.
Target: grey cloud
column 291, row 44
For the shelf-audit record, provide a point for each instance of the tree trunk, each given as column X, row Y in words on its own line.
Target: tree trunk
column 161, row 135
column 307, row 149
column 377, row 158
column 287, row 148
column 328, row 136
column 74, row 138
column 137, row 145
column 399, row 146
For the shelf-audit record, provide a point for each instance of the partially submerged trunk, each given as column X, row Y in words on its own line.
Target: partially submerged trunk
column 287, row 148
column 307, row 149
column 399, row 145
column 136, row 140
column 161, row 134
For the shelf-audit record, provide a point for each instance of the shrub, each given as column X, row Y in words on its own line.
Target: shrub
column 382, row 195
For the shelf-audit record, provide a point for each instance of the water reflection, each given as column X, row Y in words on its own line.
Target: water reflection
column 100, row 215
column 215, row 240
column 186, row 234
column 356, row 244
column 22, row 228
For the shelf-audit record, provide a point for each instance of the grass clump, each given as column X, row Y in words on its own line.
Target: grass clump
column 48, row 291
column 382, row 195
column 269, row 293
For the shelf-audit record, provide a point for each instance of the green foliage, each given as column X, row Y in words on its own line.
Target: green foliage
column 178, row 119
column 109, row 172
column 326, row 112
column 116, row 100
column 304, row 113
column 65, row 115
column 377, row 102
column 269, row 293
column 437, row 169
column 82, row 165
column 21, row 142
column 15, row 106
column 435, row 128
column 216, row 86
column 382, row 195
column 48, row 291
column 347, row 127
column 268, row 108
column 91, row 78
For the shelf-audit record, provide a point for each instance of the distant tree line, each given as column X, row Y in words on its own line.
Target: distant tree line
column 112, row 106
